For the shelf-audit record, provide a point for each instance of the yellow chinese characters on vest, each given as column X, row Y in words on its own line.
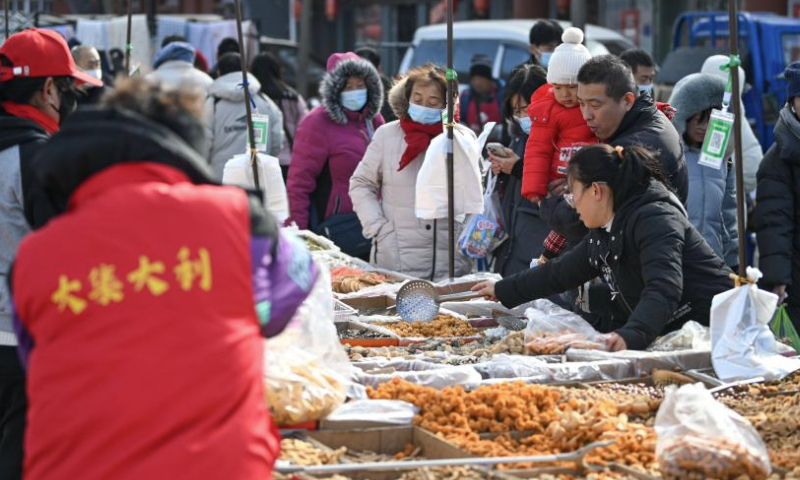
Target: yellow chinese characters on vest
column 104, row 287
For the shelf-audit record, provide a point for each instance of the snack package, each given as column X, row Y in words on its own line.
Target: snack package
column 701, row 438
column 552, row 330
column 306, row 368
column 484, row 232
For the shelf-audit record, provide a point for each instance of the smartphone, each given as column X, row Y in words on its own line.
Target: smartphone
column 497, row 149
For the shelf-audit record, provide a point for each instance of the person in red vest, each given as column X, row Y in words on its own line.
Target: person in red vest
column 141, row 306
column 482, row 102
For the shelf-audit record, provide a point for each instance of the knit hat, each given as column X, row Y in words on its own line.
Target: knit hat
column 481, row 65
column 568, row 58
column 337, row 58
column 174, row 51
column 792, row 75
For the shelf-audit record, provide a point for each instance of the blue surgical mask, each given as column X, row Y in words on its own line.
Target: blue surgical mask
column 424, row 115
column 525, row 124
column 645, row 88
column 545, row 60
column 354, row 100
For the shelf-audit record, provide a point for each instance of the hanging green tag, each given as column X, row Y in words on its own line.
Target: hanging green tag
column 715, row 145
column 261, row 132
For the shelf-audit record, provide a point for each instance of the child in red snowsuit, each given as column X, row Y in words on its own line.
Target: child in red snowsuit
column 559, row 129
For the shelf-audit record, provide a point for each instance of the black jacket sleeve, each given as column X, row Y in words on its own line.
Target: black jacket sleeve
column 774, row 219
column 563, row 219
column 659, row 238
column 564, row 273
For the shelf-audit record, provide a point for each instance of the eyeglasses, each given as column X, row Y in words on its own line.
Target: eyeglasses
column 569, row 197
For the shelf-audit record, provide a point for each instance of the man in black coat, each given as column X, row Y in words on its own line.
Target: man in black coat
column 619, row 116
column 777, row 214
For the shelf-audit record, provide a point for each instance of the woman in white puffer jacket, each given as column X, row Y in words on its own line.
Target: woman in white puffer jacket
column 383, row 187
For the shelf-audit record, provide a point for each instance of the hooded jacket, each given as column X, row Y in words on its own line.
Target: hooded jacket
column 100, row 309
column 330, row 142
column 711, row 203
column 383, row 198
column 226, row 120
column 660, row 270
column 174, row 68
column 556, row 133
column 777, row 215
column 20, row 206
column 751, row 148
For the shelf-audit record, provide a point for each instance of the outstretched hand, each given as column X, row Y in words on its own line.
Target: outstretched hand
column 486, row 288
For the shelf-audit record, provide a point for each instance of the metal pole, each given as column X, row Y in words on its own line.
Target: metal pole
column 128, row 46
column 451, row 89
column 6, row 13
column 305, row 48
column 247, row 98
column 733, row 23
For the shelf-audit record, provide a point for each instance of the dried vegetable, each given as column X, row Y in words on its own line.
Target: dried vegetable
column 441, row 326
column 552, row 421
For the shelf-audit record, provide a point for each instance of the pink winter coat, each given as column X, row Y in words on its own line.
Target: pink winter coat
column 331, row 135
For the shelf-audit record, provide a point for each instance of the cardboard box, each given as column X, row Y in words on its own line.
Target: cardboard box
column 369, row 303
column 389, row 441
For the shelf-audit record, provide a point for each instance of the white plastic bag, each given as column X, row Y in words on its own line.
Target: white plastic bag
column 700, row 437
column 431, row 190
column 742, row 344
column 306, row 368
column 553, row 330
column 239, row 172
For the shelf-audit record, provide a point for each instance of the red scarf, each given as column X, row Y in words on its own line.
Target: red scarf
column 417, row 136
column 33, row 114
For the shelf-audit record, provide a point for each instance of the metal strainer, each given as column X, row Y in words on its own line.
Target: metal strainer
column 417, row 301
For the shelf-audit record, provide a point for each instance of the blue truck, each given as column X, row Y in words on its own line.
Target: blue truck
column 767, row 44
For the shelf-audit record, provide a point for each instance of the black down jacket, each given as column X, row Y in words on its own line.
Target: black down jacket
column 659, row 269
column 777, row 214
column 643, row 126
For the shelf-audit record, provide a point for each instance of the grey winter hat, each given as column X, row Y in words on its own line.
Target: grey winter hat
column 694, row 94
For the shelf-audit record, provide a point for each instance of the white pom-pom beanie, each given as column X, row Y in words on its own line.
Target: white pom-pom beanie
column 568, row 58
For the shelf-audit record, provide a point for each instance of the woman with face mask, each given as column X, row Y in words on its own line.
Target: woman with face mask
column 383, row 187
column 328, row 145
column 640, row 243
column 524, row 225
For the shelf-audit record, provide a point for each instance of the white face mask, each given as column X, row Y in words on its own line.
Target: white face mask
column 98, row 74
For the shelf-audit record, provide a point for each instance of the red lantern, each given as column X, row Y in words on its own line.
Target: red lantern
column 298, row 9
column 331, row 9
column 481, row 6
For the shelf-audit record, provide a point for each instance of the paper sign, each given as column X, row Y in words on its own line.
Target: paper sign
column 715, row 145
column 261, row 132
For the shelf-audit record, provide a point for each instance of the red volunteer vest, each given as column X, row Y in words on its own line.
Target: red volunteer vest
column 147, row 361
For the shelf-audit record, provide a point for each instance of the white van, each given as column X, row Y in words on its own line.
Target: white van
column 506, row 41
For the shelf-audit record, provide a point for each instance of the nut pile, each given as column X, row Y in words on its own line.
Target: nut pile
column 694, row 458
column 441, row 326
column 304, row 454
column 513, row 343
column 557, row 423
column 445, row 473
column 546, row 343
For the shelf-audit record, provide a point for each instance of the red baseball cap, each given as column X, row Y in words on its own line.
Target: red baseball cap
column 41, row 53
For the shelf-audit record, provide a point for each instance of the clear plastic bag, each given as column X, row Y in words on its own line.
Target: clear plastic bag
column 306, row 368
column 485, row 231
column 699, row 437
column 553, row 330
column 418, row 372
column 742, row 344
column 385, row 411
column 692, row 336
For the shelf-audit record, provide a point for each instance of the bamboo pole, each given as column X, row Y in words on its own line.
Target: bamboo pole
column 247, row 98
column 451, row 90
column 6, row 18
column 733, row 29
column 128, row 46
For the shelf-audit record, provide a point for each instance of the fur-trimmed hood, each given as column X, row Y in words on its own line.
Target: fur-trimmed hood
column 695, row 93
column 334, row 81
